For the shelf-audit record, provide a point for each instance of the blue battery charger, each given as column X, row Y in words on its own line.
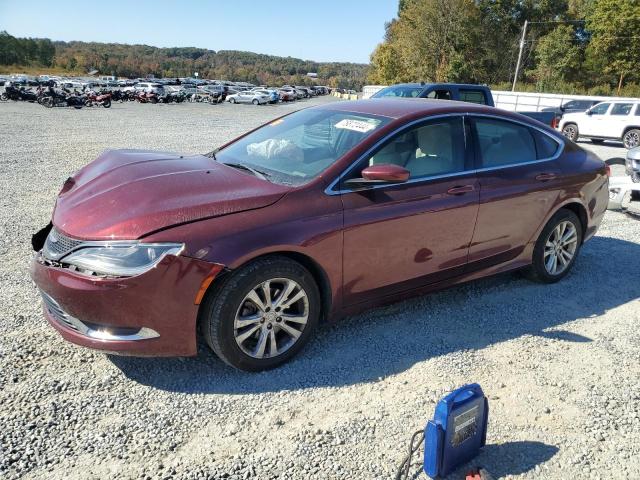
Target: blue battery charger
column 457, row 432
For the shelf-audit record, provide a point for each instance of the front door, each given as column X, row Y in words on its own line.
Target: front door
column 402, row 236
column 593, row 124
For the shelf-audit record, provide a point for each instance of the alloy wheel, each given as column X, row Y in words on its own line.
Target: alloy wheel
column 560, row 248
column 571, row 132
column 631, row 139
column 271, row 318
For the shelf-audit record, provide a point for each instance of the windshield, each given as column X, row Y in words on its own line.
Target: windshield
column 295, row 149
column 403, row 91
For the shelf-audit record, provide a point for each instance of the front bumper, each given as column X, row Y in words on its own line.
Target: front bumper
column 152, row 314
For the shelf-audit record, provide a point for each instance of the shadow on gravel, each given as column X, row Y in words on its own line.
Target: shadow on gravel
column 390, row 340
column 510, row 458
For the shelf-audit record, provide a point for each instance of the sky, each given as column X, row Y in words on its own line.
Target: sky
column 323, row 30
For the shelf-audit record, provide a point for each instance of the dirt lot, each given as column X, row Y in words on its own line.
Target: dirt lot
column 560, row 363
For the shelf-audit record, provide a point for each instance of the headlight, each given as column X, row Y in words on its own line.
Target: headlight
column 121, row 259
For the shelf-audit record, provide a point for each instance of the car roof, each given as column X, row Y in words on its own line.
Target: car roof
column 436, row 84
column 403, row 107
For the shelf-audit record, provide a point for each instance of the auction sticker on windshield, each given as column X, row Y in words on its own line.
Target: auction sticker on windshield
column 356, row 125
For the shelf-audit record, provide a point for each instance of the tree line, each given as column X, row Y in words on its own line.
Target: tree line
column 571, row 46
column 78, row 58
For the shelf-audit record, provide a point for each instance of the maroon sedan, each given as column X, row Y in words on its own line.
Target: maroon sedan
column 318, row 214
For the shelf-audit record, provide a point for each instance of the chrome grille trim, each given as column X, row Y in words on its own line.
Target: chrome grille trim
column 63, row 318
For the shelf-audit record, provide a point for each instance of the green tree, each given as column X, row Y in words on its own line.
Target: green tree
column 558, row 58
column 615, row 40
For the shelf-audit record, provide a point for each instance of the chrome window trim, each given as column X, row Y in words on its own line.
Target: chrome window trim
column 329, row 190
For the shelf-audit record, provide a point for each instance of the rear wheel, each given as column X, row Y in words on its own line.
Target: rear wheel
column 255, row 102
column 570, row 130
column 232, row 100
column 106, row 103
column 262, row 315
column 557, row 247
column 631, row 138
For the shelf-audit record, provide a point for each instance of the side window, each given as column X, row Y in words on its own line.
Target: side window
column 435, row 148
column 638, row 110
column 546, row 147
column 503, row 143
column 621, row 108
column 472, row 96
column 440, row 94
column 600, row 109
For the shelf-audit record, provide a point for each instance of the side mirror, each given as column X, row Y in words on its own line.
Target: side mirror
column 589, row 112
column 380, row 174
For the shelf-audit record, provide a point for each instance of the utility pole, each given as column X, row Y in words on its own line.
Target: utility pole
column 524, row 34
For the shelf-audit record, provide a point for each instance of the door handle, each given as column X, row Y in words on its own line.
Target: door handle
column 545, row 177
column 460, row 190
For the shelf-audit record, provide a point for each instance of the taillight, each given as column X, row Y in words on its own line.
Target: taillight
column 554, row 122
column 608, row 169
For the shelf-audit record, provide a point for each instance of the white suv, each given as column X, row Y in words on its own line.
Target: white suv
column 617, row 120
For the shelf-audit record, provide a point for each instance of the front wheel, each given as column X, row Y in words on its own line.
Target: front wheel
column 232, row 100
column 106, row 103
column 570, row 130
column 631, row 138
column 557, row 247
column 262, row 314
column 255, row 102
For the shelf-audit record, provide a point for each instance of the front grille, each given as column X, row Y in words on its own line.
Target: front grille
column 57, row 313
column 57, row 245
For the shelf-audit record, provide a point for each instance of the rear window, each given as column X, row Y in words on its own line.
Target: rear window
column 472, row 96
column 621, row 108
column 503, row 143
column 403, row 91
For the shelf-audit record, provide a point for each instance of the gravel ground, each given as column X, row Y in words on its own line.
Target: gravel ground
column 560, row 363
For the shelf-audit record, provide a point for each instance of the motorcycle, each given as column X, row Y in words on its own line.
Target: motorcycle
column 19, row 94
column 147, row 97
column 97, row 99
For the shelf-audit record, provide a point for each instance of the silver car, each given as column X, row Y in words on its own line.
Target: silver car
column 632, row 164
column 256, row 98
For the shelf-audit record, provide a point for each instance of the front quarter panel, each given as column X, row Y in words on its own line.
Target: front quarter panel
column 305, row 221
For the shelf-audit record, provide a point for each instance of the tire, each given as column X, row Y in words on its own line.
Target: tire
column 597, row 141
column 541, row 269
column 256, row 102
column 570, row 130
column 4, row 97
column 631, row 138
column 232, row 100
column 106, row 104
column 153, row 100
column 229, row 300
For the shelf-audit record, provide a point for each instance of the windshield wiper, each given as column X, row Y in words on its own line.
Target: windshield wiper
column 257, row 173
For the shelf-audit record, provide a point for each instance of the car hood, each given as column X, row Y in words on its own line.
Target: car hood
column 126, row 194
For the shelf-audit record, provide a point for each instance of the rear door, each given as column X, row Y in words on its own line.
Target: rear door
column 617, row 119
column 519, row 177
